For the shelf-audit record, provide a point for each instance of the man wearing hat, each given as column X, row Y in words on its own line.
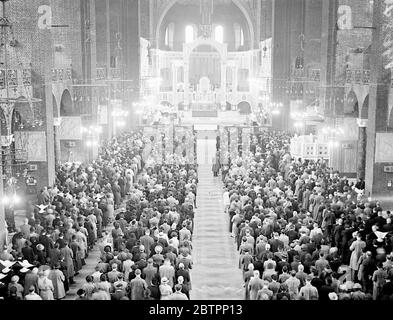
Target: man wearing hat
column 137, row 286
column 357, row 293
column 165, row 289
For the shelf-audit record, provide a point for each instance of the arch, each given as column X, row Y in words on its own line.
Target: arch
column 364, row 110
column 219, row 33
column 351, row 106
column 244, row 107
column 66, row 107
column 236, row 2
column 189, row 34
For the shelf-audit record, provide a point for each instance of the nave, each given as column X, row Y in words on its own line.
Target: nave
column 216, row 275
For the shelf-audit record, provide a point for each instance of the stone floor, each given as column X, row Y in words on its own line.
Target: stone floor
column 215, row 275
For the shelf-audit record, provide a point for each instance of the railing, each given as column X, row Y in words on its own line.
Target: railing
column 101, row 74
column 314, row 75
column 115, row 73
column 15, row 78
column 358, row 76
column 61, row 74
column 210, row 97
column 304, row 147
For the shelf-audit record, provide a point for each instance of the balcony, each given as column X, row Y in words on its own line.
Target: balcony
column 115, row 73
column 213, row 97
column 59, row 75
column 100, row 73
column 15, row 78
column 357, row 76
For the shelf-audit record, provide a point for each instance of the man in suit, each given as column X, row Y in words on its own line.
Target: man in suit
column 150, row 272
column 147, row 241
column 113, row 275
column 168, row 271
column 28, row 252
column 137, row 286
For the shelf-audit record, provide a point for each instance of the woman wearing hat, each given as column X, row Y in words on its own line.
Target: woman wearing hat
column 16, row 285
column 45, row 285
column 41, row 254
column 165, row 289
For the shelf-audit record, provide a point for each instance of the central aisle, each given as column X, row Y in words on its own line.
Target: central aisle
column 215, row 274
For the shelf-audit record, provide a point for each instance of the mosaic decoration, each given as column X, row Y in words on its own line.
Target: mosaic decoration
column 34, row 142
column 387, row 30
column 70, row 128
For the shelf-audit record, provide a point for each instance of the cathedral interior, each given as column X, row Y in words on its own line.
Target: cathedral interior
column 77, row 73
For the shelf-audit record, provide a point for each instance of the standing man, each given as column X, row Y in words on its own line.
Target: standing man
column 137, row 286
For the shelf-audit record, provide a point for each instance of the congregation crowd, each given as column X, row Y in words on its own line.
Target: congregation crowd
column 139, row 213
column 302, row 231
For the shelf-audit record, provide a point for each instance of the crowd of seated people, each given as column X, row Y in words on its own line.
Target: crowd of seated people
column 85, row 207
column 304, row 232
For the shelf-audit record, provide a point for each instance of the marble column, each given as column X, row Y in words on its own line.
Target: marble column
column 131, row 26
column 362, row 147
column 376, row 178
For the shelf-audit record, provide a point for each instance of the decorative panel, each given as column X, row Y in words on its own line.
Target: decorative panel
column 70, row 128
column 34, row 143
